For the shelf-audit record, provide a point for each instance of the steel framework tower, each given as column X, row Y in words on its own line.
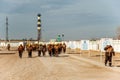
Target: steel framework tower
column 6, row 28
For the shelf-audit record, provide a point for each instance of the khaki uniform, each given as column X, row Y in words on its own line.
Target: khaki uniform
column 109, row 52
column 20, row 50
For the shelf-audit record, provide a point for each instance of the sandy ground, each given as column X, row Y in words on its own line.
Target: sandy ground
column 51, row 68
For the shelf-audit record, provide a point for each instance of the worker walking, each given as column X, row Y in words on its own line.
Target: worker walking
column 109, row 52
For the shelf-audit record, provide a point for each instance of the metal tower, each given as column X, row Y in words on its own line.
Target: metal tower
column 39, row 27
column 6, row 28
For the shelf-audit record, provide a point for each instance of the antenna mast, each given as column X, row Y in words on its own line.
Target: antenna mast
column 6, row 28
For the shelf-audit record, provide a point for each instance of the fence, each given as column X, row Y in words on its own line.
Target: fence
column 97, row 45
column 94, row 45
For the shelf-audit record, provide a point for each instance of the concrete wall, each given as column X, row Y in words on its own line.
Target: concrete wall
column 82, row 44
column 94, row 45
column 12, row 44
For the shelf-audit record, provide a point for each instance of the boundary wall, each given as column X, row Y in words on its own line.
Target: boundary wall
column 97, row 45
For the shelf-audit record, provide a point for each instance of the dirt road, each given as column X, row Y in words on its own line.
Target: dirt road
column 51, row 68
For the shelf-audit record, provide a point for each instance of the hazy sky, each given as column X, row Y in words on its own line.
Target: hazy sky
column 76, row 19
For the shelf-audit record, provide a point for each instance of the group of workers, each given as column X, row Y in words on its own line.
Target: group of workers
column 42, row 49
column 56, row 49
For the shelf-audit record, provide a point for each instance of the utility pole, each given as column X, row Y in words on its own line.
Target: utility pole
column 6, row 29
